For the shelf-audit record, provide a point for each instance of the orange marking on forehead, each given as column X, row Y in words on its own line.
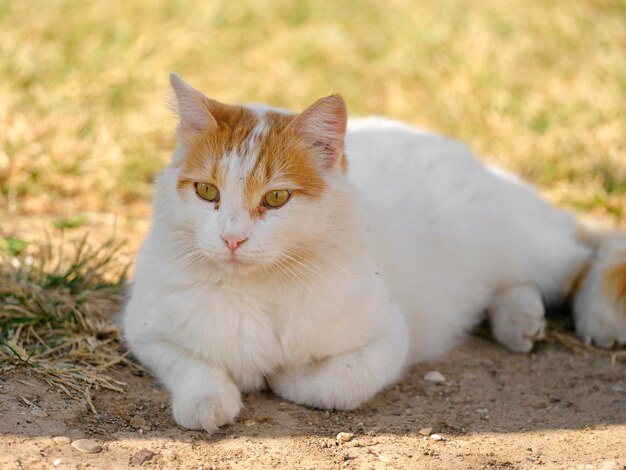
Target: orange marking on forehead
column 282, row 154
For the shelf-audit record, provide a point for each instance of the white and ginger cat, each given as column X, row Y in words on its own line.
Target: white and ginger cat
column 321, row 258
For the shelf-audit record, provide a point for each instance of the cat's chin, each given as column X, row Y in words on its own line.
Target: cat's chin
column 238, row 266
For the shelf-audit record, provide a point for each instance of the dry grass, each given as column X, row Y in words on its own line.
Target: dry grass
column 565, row 337
column 538, row 87
column 56, row 315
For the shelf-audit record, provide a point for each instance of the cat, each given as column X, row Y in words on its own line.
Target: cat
column 320, row 258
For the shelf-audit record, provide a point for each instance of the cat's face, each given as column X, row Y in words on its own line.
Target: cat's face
column 257, row 188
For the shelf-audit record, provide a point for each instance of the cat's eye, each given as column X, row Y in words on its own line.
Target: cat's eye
column 276, row 198
column 208, row 192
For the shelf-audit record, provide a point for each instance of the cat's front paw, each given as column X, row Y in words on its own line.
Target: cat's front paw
column 207, row 409
column 600, row 304
column 338, row 383
column 331, row 393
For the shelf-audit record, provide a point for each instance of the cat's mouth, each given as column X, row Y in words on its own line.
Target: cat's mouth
column 236, row 263
column 232, row 262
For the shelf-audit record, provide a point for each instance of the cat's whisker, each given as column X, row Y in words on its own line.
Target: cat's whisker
column 289, row 277
column 305, row 281
column 182, row 255
column 310, row 266
column 328, row 259
column 276, row 269
column 296, row 280
column 316, row 271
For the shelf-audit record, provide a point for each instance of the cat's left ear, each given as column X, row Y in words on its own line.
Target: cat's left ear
column 192, row 107
column 323, row 126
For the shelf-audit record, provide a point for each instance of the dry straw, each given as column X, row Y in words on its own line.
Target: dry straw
column 57, row 315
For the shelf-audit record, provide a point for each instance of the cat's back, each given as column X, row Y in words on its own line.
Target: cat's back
column 395, row 165
column 392, row 158
column 379, row 143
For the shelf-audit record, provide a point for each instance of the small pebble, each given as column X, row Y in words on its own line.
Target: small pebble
column 38, row 412
column 434, row 376
column 436, row 437
column 426, row 431
column 617, row 388
column 137, row 422
column 249, row 422
column 610, row 465
column 57, row 462
column 86, row 445
column 61, row 440
column 327, row 444
column 140, row 457
column 343, row 437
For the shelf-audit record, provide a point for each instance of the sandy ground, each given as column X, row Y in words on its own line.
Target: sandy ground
column 495, row 410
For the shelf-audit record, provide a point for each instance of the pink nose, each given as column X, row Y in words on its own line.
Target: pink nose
column 234, row 241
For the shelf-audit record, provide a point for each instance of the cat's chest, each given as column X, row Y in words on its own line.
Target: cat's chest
column 231, row 329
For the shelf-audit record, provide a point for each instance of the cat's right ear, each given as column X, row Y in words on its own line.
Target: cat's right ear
column 192, row 108
column 323, row 126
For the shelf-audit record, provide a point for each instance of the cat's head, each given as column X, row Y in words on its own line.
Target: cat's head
column 258, row 188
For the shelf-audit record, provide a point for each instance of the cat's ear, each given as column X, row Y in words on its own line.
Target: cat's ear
column 192, row 107
column 323, row 126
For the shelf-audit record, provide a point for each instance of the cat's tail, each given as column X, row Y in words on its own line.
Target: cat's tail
column 597, row 290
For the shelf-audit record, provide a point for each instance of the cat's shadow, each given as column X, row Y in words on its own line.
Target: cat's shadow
column 486, row 389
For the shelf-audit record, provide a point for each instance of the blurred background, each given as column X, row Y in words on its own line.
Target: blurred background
column 536, row 86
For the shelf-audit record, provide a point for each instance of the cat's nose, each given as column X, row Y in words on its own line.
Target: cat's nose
column 234, row 241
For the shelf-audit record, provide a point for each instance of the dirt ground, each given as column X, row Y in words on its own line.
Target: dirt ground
column 495, row 410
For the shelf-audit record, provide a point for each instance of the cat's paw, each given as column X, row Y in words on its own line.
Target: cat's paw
column 327, row 392
column 600, row 304
column 517, row 317
column 342, row 382
column 207, row 409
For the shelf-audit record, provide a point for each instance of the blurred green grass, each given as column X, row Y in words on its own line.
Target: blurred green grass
column 538, row 87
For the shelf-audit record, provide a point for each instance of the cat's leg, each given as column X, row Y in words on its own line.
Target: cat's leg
column 517, row 316
column 347, row 380
column 203, row 397
column 600, row 303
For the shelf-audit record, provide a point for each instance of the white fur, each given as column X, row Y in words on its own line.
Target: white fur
column 413, row 247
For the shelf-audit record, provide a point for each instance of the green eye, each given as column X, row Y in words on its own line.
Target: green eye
column 276, row 198
column 208, row 192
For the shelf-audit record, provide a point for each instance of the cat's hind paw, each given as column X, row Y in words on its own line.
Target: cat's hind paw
column 207, row 409
column 517, row 317
column 600, row 303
